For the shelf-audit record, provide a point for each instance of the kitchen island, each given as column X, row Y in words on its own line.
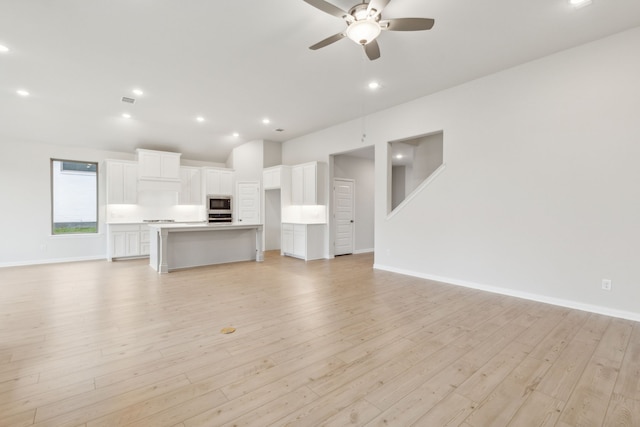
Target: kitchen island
column 176, row 246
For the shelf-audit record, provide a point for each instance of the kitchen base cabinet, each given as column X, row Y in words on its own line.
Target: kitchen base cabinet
column 127, row 241
column 305, row 241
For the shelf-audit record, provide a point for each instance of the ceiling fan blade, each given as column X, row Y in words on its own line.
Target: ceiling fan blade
column 378, row 5
column 326, row 42
column 372, row 50
column 327, row 7
column 407, row 24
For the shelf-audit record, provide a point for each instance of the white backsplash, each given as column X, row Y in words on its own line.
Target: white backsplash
column 307, row 214
column 155, row 205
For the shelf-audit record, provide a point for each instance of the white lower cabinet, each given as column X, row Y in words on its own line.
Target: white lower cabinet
column 144, row 240
column 128, row 240
column 305, row 241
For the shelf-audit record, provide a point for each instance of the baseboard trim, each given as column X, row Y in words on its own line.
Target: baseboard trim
column 363, row 251
column 51, row 261
column 607, row 311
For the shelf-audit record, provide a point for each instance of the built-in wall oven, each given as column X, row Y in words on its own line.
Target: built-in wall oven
column 219, row 208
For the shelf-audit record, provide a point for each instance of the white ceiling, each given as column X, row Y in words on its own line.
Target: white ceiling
column 236, row 62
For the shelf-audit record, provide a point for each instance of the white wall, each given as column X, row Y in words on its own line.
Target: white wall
column 25, row 217
column 363, row 172
column 272, row 154
column 541, row 193
column 247, row 161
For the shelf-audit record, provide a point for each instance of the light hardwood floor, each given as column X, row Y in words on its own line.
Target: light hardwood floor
column 317, row 343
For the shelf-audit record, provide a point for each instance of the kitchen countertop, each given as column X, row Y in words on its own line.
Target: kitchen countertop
column 141, row 222
column 202, row 226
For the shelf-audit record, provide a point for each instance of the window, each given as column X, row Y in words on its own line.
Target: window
column 74, row 197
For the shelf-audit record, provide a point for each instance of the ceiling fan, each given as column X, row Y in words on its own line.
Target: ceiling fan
column 365, row 23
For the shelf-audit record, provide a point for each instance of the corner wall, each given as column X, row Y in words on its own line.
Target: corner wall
column 541, row 194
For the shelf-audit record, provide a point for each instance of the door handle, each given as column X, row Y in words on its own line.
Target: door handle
column 351, row 221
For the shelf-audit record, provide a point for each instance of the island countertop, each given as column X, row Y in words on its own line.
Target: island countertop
column 203, row 226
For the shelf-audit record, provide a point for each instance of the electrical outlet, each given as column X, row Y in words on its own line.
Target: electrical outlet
column 606, row 284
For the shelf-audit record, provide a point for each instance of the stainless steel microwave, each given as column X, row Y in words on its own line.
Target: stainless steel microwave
column 219, row 203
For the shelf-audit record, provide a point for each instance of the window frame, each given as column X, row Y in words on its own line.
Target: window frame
column 52, row 193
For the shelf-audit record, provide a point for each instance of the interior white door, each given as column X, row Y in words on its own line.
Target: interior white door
column 249, row 202
column 344, row 216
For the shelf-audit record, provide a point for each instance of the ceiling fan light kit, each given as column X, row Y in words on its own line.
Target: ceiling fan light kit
column 363, row 32
column 364, row 24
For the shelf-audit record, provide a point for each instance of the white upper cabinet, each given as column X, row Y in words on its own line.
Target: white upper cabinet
column 272, row 178
column 307, row 184
column 218, row 181
column 190, row 186
column 122, row 182
column 158, row 165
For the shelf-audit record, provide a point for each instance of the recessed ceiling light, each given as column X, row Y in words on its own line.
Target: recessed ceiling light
column 399, row 156
column 126, row 115
column 138, row 92
column 4, row 49
column 200, row 119
column 22, row 92
column 579, row 3
column 374, row 85
column 266, row 121
column 236, row 134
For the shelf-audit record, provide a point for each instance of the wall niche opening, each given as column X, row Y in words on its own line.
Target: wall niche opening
column 412, row 161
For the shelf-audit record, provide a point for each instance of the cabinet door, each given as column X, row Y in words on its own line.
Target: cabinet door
column 271, row 178
column 115, row 183
column 195, row 187
column 122, row 183
column 300, row 240
column 297, row 185
column 190, row 187
column 287, row 239
column 130, row 183
column 310, row 184
column 169, row 166
column 144, row 240
column 159, row 165
column 184, row 196
column 132, row 243
column 150, row 164
column 118, row 244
